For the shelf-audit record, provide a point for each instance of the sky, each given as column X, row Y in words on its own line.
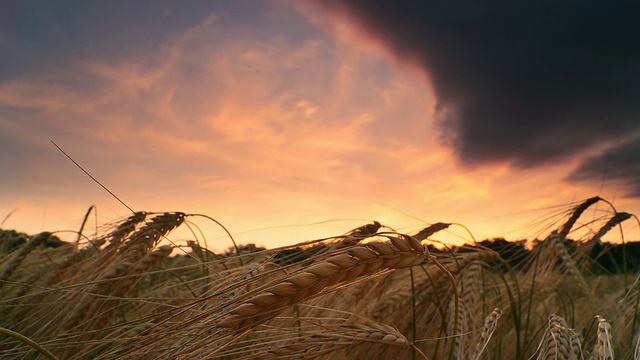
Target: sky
column 292, row 120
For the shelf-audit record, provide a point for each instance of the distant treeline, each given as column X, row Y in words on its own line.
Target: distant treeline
column 599, row 258
column 11, row 240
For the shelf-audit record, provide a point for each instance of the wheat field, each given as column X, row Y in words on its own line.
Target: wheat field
column 130, row 292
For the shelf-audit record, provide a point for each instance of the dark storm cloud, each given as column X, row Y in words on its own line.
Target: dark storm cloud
column 527, row 82
column 619, row 165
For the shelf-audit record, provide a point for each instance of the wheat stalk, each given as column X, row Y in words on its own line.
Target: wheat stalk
column 86, row 303
column 571, row 266
column 41, row 350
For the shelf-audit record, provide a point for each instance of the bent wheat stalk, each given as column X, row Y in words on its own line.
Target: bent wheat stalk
column 44, row 352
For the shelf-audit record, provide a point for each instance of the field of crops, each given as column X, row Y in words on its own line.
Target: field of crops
column 130, row 292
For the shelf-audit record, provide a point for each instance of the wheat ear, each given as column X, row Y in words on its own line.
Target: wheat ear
column 117, row 236
column 613, row 221
column 560, row 341
column 334, row 338
column 468, row 281
column 358, row 234
column 604, row 347
column 575, row 214
column 430, row 230
column 490, row 324
column 344, row 267
column 149, row 235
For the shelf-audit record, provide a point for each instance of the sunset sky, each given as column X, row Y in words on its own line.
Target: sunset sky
column 275, row 116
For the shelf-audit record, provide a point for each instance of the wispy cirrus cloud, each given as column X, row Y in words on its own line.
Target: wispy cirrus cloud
column 218, row 115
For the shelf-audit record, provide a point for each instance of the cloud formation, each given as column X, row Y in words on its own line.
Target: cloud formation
column 274, row 121
column 525, row 83
column 618, row 165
